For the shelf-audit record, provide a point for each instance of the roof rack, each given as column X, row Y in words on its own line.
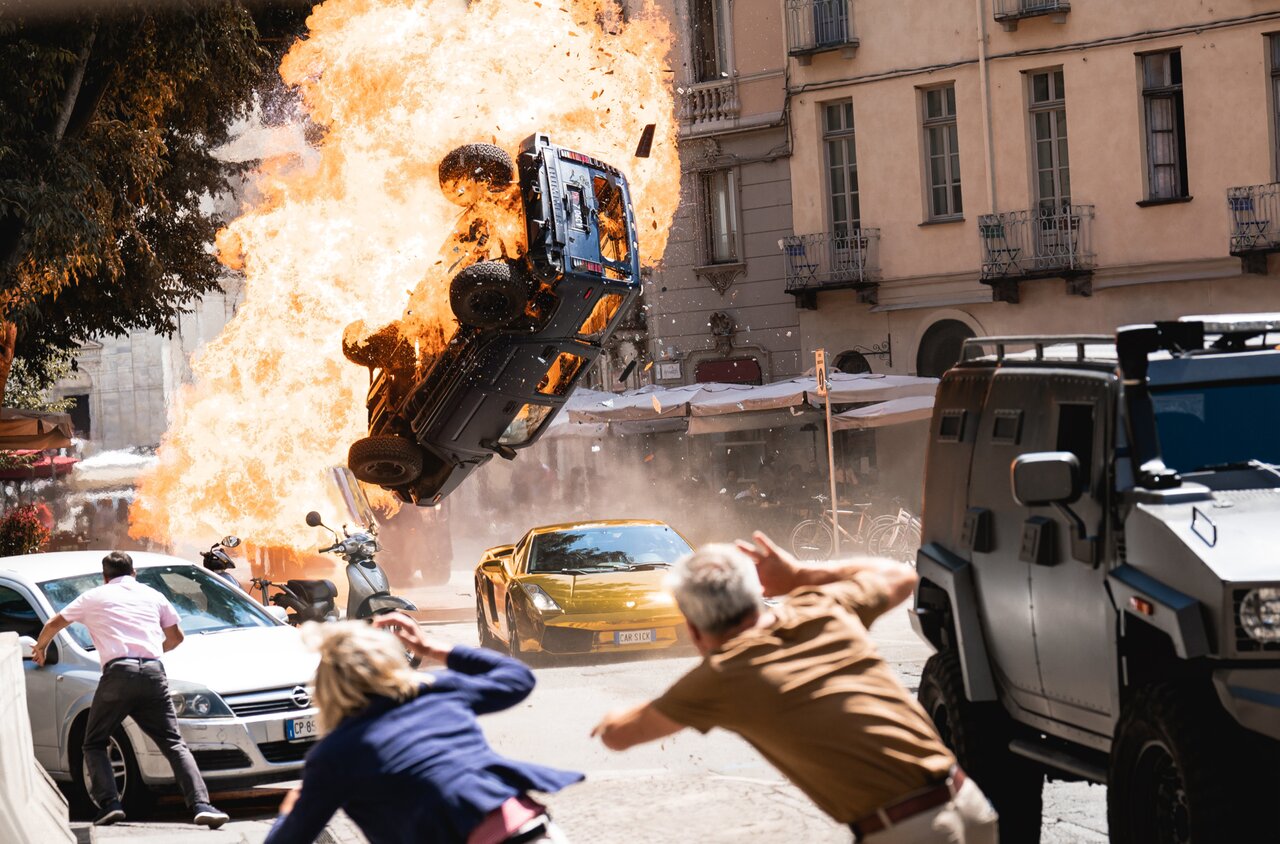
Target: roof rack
column 1236, row 323
column 1039, row 342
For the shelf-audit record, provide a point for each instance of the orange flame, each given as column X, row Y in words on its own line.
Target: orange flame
column 359, row 229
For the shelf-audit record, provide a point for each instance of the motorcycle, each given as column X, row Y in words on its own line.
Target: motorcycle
column 368, row 592
column 218, row 561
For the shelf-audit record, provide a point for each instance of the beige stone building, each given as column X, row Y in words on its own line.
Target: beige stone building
column 1026, row 166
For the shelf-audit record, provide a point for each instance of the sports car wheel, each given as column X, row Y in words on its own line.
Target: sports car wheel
column 513, row 632
column 488, row 294
column 385, row 461
column 486, row 638
column 473, row 168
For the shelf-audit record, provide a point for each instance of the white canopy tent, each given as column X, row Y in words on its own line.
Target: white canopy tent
column 881, row 414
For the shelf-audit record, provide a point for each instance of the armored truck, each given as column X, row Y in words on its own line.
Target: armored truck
column 1100, row 574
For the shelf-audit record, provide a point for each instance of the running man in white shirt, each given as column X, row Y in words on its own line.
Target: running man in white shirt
column 131, row 626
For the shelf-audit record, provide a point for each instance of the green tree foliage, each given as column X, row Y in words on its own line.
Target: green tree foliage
column 108, row 126
column 28, row 386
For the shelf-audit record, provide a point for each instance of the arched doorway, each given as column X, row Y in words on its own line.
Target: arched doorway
column 852, row 363
column 940, row 347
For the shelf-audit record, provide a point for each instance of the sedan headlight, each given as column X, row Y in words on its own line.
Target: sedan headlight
column 541, row 600
column 1260, row 614
column 193, row 701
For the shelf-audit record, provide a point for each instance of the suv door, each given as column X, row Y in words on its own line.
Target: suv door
column 1074, row 619
column 18, row 614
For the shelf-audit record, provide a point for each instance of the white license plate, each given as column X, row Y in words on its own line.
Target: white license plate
column 633, row 637
column 301, row 729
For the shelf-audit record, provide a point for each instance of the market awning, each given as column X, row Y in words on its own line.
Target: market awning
column 754, row 420
column 33, row 429
column 881, row 414
column 651, row 402
column 866, row 387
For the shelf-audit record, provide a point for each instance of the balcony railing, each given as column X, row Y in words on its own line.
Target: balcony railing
column 829, row 261
column 1040, row 243
column 1255, row 223
column 708, row 104
column 816, row 26
column 1009, row 12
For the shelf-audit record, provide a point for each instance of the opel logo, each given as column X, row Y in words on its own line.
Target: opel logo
column 301, row 697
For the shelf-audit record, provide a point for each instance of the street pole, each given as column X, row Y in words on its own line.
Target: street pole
column 824, row 390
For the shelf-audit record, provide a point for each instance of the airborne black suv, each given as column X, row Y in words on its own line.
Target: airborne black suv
column 1100, row 577
column 528, row 329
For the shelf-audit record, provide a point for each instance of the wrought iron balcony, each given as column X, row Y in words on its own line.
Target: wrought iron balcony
column 708, row 105
column 1255, row 224
column 818, row 26
column 1040, row 243
column 1009, row 12
column 828, row 261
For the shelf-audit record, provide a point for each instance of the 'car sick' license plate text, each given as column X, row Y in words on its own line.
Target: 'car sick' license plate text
column 632, row 637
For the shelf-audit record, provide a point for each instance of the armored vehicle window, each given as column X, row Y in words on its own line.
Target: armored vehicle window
column 612, row 220
column 525, row 425
column 1007, row 427
column 595, row 324
column 1215, row 425
column 560, row 374
column 1075, row 434
column 951, row 426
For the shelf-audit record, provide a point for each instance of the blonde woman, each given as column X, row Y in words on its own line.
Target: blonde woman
column 403, row 754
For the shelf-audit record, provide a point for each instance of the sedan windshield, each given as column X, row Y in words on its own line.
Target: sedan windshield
column 1217, row 425
column 624, row 547
column 205, row 604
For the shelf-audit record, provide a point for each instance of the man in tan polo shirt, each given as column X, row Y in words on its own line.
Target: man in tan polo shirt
column 803, row 683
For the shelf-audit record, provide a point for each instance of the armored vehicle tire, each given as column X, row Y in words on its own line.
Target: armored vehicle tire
column 1183, row 772
column 385, row 461
column 978, row 735
column 385, row 347
column 488, row 294
column 474, row 167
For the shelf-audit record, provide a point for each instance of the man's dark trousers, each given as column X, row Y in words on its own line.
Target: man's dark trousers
column 139, row 690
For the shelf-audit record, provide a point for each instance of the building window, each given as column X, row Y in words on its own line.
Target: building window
column 1273, row 42
column 710, row 51
column 942, row 146
column 720, row 216
column 842, row 169
column 1049, row 135
column 1166, row 131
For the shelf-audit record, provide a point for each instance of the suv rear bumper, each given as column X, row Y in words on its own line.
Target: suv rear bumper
column 1252, row 696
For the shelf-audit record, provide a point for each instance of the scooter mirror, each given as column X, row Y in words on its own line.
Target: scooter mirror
column 230, row 541
column 313, row 519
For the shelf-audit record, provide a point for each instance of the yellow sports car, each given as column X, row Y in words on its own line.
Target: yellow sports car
column 581, row 588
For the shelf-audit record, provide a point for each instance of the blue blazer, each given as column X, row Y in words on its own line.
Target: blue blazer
column 420, row 771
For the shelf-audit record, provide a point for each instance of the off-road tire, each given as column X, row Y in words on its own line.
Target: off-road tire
column 384, row 348
column 386, row 461
column 136, row 798
column 1182, row 771
column 489, row 294
column 474, row 167
column 978, row 735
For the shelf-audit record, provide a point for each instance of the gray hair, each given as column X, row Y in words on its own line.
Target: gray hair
column 716, row 587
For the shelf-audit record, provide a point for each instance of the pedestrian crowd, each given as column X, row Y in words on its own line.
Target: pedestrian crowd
column 403, row 754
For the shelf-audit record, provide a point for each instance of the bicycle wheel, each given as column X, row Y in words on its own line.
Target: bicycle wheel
column 898, row 541
column 812, row 539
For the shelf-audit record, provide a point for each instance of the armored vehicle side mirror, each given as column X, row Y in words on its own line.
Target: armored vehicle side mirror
column 1045, row 478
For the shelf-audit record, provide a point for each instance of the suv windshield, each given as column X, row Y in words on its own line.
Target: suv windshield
column 621, row 547
column 205, row 604
column 1217, row 424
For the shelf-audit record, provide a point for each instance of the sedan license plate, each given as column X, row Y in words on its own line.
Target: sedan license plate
column 633, row 637
column 301, row 729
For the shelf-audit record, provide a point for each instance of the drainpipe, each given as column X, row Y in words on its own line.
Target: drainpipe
column 984, row 78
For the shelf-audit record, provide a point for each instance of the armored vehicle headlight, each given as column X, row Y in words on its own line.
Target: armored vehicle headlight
column 1260, row 614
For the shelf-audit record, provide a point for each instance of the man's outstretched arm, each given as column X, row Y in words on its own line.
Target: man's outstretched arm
column 625, row 728
column 780, row 572
column 51, row 628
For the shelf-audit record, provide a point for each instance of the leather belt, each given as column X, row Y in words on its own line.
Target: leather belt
column 138, row 659
column 910, row 806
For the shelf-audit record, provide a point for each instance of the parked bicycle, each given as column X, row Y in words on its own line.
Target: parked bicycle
column 898, row 539
column 814, row 539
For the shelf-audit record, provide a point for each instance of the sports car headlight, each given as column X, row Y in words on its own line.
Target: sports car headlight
column 1260, row 614
column 541, row 600
column 192, row 701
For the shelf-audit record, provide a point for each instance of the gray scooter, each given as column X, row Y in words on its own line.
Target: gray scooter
column 368, row 592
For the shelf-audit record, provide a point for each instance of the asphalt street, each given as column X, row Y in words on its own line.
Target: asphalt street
column 689, row 788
